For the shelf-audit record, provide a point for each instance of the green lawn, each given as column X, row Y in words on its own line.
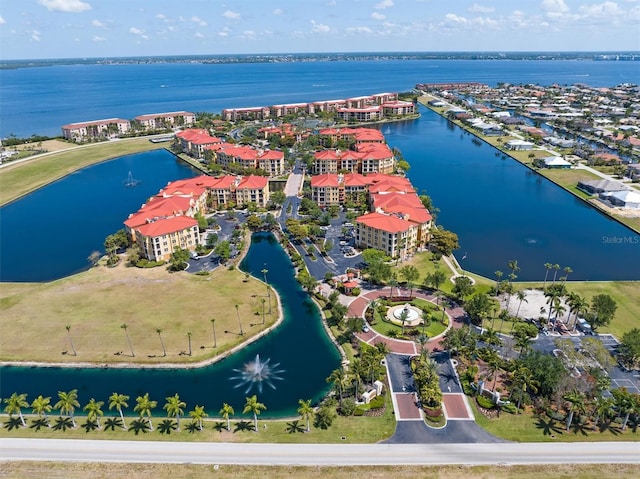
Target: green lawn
column 526, row 427
column 625, row 293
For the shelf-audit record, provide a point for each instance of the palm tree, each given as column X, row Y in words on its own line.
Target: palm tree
column 189, row 336
column 124, row 326
column 556, row 267
column 164, row 351
column 175, row 407
column 119, row 401
column 15, row 403
column 553, row 297
column 498, row 278
column 306, row 411
column 567, row 271
column 67, row 404
column 625, row 403
column 213, row 327
column 522, row 297
column 239, row 323
column 392, row 283
column 198, row 414
column 403, row 318
column 253, row 406
column 426, row 321
column 263, row 300
column 94, row 411
column 337, row 377
column 435, row 279
column 422, row 340
column 491, row 337
column 226, row 412
column 548, row 267
column 264, row 274
column 41, row 406
column 495, row 365
column 558, row 309
column 603, row 409
column 577, row 305
column 144, row 406
column 513, row 266
column 575, row 399
column 68, row 328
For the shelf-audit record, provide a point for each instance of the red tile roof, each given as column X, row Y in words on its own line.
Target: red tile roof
column 253, row 182
column 328, row 179
column 167, row 226
column 388, row 223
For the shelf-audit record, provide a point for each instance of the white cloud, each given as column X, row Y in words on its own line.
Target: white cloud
column 231, row 15
column 319, row 27
column 278, row 11
column 606, row 9
column 97, row 38
column 477, row 8
column 67, row 6
column 199, row 21
column 198, row 35
column 378, row 16
column 384, row 4
column 249, row 34
column 359, row 30
column 136, row 31
column 161, row 16
column 2, row 21
column 98, row 23
column 554, row 6
column 224, row 32
column 35, row 35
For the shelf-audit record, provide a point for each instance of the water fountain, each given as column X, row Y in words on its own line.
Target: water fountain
column 257, row 372
column 412, row 316
column 130, row 182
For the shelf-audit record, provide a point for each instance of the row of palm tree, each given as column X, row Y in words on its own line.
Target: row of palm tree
column 68, row 403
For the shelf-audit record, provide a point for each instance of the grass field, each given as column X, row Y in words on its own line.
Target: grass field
column 28, row 470
column 19, row 179
column 97, row 302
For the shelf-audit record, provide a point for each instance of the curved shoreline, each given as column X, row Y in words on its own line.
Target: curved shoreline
column 194, row 365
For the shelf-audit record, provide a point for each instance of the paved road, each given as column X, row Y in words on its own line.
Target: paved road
column 317, row 454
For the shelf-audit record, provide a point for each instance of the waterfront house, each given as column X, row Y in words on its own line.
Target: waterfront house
column 627, row 199
column 518, row 145
column 633, row 171
column 386, row 232
column 594, row 187
column 194, row 141
column 552, row 162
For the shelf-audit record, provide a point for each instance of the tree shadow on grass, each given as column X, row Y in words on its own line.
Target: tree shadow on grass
column 243, row 426
column 610, row 426
column 581, row 427
column 39, row 423
column 111, row 423
column 13, row 423
column 63, row 423
column 90, row 426
column 549, row 427
column 139, row 426
column 192, row 427
column 220, row 426
column 167, row 426
column 294, row 426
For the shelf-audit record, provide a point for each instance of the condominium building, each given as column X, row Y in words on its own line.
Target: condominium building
column 97, row 129
column 174, row 119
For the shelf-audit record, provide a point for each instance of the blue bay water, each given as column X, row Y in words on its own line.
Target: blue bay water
column 40, row 100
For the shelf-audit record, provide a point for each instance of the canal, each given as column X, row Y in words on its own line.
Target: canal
column 294, row 360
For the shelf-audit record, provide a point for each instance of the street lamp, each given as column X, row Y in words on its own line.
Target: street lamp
column 239, row 323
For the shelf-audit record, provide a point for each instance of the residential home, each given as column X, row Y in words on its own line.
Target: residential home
column 623, row 199
column 387, row 232
column 552, row 162
column 252, row 189
column 594, row 187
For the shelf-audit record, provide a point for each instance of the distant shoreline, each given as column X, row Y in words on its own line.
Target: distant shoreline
column 318, row 57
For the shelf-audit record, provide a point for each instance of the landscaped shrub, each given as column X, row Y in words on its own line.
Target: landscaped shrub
column 510, row 408
column 358, row 411
column 377, row 402
column 484, row 402
column 347, row 407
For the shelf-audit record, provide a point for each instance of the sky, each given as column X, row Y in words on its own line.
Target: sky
column 43, row 29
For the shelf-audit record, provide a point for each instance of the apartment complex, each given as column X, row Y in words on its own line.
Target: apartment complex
column 398, row 223
column 172, row 119
column 363, row 108
column 167, row 220
column 96, row 129
column 115, row 127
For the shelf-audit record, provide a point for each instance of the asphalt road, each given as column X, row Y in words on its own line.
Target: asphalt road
column 317, row 454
